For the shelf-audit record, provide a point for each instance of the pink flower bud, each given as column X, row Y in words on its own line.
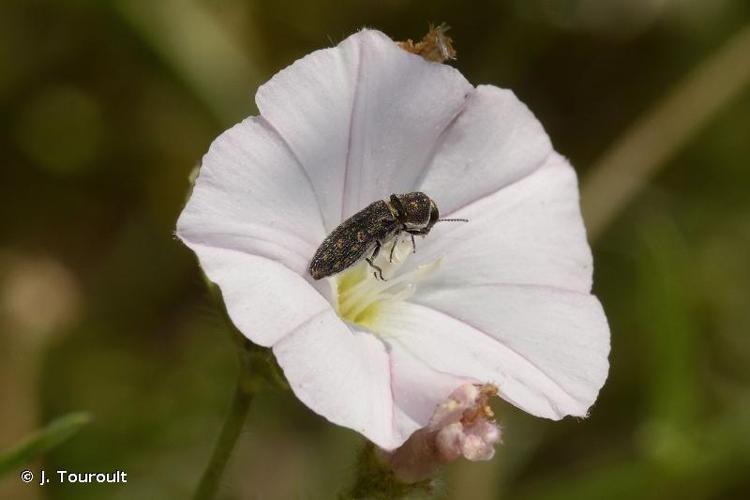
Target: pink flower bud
column 463, row 425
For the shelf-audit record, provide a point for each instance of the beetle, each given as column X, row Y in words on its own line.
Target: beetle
column 366, row 231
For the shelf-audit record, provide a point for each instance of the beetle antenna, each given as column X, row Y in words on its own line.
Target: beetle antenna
column 452, row 220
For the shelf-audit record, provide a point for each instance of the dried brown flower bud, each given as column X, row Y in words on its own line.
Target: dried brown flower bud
column 436, row 46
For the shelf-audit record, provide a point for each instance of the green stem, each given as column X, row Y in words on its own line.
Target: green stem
column 257, row 370
column 243, row 396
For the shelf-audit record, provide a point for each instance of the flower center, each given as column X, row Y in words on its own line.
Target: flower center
column 361, row 294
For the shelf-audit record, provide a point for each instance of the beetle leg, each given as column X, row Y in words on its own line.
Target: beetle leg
column 393, row 248
column 377, row 269
column 377, row 249
column 372, row 264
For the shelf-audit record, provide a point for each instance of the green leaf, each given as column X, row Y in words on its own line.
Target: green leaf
column 55, row 433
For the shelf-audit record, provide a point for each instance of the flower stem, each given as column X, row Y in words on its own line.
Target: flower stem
column 243, row 396
column 257, row 369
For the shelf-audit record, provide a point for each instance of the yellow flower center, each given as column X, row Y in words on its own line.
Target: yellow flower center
column 361, row 295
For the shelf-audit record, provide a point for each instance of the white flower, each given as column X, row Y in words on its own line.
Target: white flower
column 503, row 299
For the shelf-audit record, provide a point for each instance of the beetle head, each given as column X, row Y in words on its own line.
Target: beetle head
column 415, row 210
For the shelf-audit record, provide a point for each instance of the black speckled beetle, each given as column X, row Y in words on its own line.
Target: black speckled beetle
column 368, row 229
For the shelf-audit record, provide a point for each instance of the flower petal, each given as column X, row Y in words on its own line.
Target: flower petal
column 494, row 142
column 252, row 196
column 264, row 299
column 530, row 232
column 545, row 349
column 341, row 374
column 353, row 379
column 417, row 389
column 364, row 118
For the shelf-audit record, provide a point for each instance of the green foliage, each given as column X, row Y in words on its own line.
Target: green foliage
column 36, row 445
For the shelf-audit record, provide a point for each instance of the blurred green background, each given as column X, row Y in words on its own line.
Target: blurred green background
column 106, row 106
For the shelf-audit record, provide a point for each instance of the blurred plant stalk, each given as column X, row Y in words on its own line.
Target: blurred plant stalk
column 230, row 431
column 43, row 440
column 653, row 139
column 199, row 50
